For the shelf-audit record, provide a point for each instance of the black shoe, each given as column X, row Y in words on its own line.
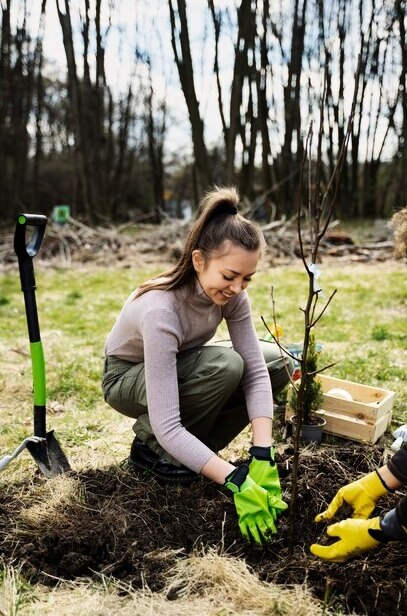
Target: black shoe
column 145, row 459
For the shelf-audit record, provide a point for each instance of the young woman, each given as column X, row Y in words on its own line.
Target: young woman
column 191, row 398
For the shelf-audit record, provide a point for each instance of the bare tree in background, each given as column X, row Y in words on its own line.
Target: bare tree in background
column 20, row 61
column 156, row 127
column 401, row 191
column 183, row 59
column 241, row 71
column 262, row 79
column 292, row 150
column 267, row 62
column 248, row 114
column 102, row 157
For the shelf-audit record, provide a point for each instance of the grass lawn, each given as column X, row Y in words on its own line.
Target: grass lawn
column 364, row 331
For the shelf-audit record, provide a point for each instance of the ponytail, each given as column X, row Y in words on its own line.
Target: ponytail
column 217, row 220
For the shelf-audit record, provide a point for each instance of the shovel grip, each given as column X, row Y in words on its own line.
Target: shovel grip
column 27, row 249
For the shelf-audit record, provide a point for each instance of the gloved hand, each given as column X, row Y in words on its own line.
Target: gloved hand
column 251, row 502
column 263, row 470
column 361, row 495
column 355, row 536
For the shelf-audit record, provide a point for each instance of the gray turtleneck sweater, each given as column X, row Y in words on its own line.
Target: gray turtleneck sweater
column 154, row 327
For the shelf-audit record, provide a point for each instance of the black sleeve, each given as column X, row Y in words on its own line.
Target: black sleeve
column 398, row 464
column 401, row 509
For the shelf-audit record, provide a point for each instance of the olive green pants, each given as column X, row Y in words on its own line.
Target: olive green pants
column 212, row 402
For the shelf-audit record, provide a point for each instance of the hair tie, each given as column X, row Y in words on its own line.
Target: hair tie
column 225, row 207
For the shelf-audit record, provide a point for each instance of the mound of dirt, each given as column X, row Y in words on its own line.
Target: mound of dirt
column 126, row 525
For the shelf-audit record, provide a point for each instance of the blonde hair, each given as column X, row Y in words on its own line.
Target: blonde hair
column 217, row 220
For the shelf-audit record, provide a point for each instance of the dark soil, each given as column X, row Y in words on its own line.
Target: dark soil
column 127, row 519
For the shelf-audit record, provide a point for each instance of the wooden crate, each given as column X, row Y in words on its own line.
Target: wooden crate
column 365, row 418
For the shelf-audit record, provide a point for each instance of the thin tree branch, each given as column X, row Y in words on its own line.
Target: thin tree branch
column 324, row 308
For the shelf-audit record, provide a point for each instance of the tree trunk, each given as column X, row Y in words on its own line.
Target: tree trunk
column 183, row 60
column 401, row 192
column 155, row 135
column 39, row 109
column 82, row 152
column 292, row 111
column 263, row 106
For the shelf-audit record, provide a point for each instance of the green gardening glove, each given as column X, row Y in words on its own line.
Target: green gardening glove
column 263, row 470
column 251, row 502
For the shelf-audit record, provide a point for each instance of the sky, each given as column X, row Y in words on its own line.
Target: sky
column 147, row 24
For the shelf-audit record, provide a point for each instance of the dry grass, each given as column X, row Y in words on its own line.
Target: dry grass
column 134, row 547
column 209, row 584
column 231, row 585
column 51, row 505
column 398, row 223
column 9, row 591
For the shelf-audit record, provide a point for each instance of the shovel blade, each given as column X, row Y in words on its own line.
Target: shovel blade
column 49, row 456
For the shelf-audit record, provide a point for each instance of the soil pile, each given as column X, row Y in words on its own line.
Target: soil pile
column 126, row 525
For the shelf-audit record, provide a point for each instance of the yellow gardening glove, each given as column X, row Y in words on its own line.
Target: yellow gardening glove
column 354, row 538
column 361, row 495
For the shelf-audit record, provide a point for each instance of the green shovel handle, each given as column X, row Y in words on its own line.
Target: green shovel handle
column 26, row 249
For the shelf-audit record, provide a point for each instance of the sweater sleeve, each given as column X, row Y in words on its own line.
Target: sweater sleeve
column 256, row 381
column 161, row 330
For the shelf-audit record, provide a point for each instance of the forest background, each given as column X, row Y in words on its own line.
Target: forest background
column 152, row 103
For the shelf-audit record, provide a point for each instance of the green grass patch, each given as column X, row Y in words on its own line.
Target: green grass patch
column 364, row 331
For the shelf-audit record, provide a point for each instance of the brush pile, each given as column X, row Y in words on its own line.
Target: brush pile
column 141, row 244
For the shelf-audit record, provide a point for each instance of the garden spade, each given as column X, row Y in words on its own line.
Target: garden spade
column 46, row 450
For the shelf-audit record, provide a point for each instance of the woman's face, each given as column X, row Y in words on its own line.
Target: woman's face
column 227, row 272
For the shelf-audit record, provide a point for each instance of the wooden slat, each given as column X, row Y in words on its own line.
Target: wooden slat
column 354, row 429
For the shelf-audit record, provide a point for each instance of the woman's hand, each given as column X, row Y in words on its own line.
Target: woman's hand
column 354, row 537
column 263, row 470
column 361, row 495
column 252, row 506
